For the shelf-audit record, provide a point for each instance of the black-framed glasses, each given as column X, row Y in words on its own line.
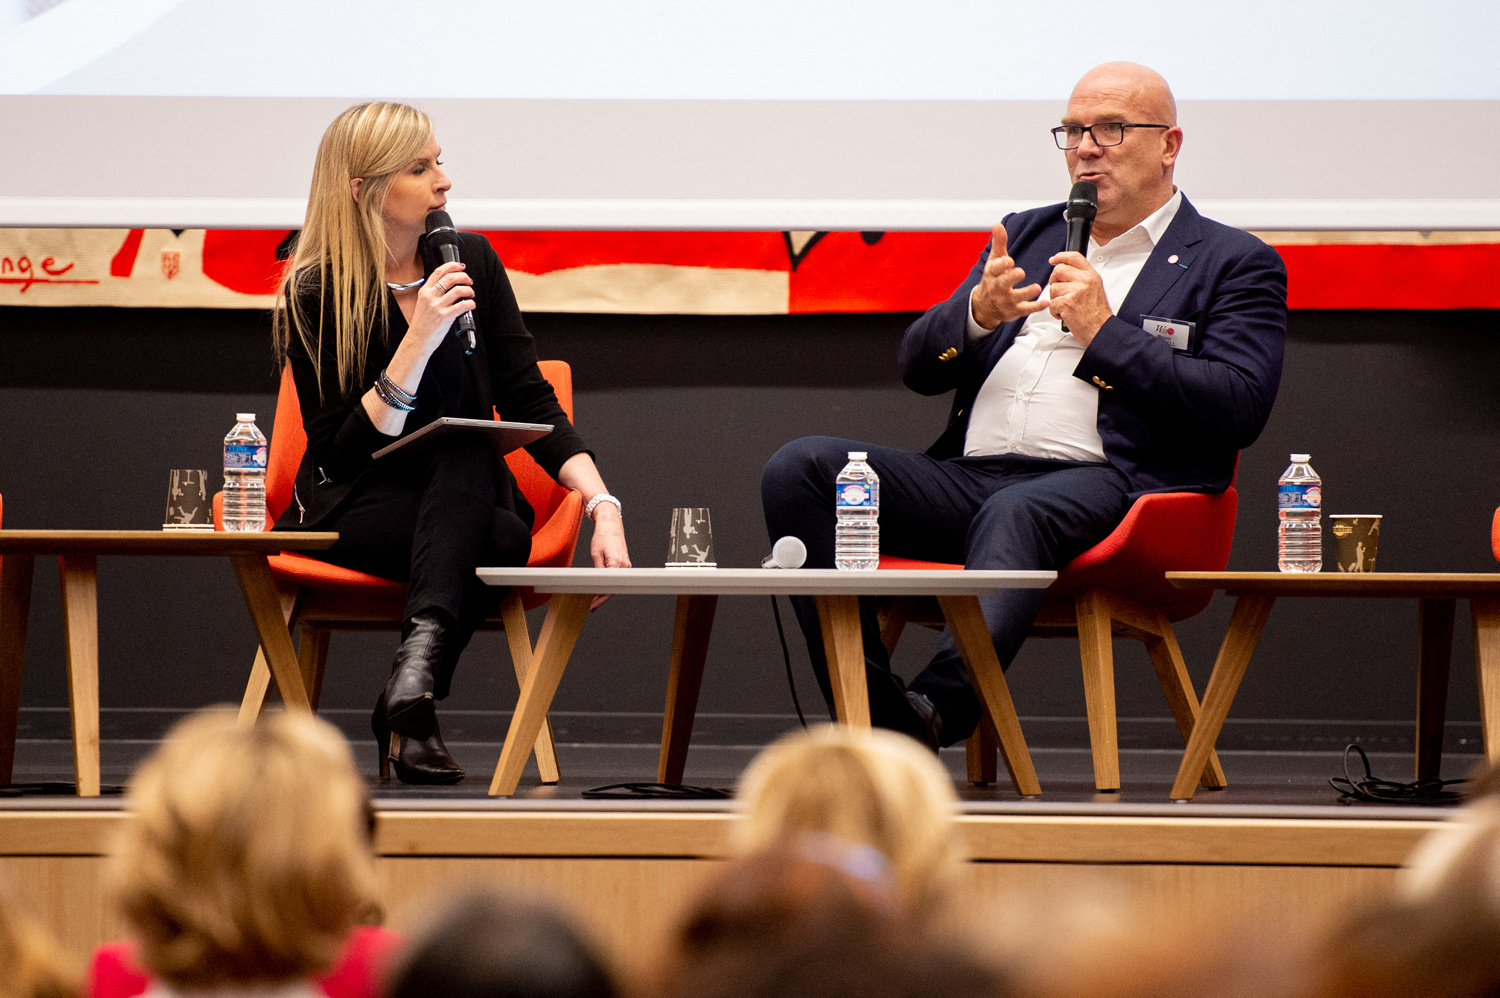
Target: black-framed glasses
column 1105, row 133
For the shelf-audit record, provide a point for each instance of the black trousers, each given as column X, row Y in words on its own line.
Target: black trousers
column 997, row 512
column 429, row 521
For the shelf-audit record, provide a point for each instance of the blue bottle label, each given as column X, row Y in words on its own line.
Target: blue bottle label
column 244, row 456
column 854, row 495
column 1305, row 496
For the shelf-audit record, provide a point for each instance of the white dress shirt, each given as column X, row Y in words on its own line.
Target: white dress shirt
column 1031, row 404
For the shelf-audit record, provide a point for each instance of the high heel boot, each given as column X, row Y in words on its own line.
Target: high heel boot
column 416, row 760
column 408, row 694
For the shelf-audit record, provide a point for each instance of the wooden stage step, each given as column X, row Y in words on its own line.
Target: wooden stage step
column 627, row 872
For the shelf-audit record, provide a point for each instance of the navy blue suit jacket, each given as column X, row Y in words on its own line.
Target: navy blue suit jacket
column 1171, row 420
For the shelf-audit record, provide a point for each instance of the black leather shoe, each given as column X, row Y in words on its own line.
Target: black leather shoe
column 415, row 760
column 409, row 692
column 930, row 732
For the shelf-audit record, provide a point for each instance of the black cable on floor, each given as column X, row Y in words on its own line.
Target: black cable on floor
column 1372, row 791
column 786, row 657
column 658, row 791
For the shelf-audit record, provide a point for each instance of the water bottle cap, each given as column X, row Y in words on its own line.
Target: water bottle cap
column 858, row 455
column 244, row 417
column 1301, row 458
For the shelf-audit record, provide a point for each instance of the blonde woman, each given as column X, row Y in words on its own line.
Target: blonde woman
column 365, row 325
column 877, row 804
column 245, row 867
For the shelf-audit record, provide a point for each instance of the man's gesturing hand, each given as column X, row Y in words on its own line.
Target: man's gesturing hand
column 997, row 299
column 1077, row 296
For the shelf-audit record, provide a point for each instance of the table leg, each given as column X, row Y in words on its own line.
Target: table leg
column 690, row 633
column 1486, row 613
column 1434, row 656
column 254, row 699
column 518, row 636
column 264, row 602
column 977, row 649
column 15, row 612
column 844, row 648
column 80, row 592
column 566, row 613
column 1245, row 624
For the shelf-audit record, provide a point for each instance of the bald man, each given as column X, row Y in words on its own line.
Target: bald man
column 1080, row 381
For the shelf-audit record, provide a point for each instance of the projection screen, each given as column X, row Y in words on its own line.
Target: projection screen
column 767, row 115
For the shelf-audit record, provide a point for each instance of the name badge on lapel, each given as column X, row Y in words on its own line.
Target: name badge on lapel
column 1174, row 331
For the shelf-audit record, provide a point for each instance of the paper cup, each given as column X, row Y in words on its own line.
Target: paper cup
column 692, row 539
column 188, row 507
column 1355, row 538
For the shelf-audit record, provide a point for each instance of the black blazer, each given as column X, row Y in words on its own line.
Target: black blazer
column 1170, row 420
column 501, row 373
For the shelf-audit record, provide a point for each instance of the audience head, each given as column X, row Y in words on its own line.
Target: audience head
column 488, row 946
column 867, row 787
column 778, row 924
column 1440, row 935
column 32, row 964
column 249, row 854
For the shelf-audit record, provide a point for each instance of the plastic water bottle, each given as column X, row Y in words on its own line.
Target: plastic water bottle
column 856, row 537
column 245, row 475
column 1299, row 503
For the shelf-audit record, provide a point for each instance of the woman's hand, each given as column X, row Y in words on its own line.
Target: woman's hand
column 448, row 293
column 607, row 549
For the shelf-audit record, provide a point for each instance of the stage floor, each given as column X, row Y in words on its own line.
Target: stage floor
column 1263, row 782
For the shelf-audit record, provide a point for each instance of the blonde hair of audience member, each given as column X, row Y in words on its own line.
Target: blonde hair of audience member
column 249, row 856
column 32, row 964
column 342, row 249
column 866, row 786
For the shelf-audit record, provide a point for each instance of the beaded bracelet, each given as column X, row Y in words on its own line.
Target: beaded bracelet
column 396, row 390
column 391, row 400
column 588, row 510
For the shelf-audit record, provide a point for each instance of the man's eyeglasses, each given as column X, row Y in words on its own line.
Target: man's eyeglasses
column 1106, row 133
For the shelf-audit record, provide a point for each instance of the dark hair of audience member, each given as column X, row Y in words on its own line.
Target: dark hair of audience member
column 32, row 964
column 485, row 945
column 778, row 924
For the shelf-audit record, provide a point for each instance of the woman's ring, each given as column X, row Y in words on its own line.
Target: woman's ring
column 442, row 288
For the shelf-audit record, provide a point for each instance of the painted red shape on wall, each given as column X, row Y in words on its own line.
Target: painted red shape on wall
column 244, row 260
column 1384, row 276
column 901, row 272
column 123, row 263
column 545, row 252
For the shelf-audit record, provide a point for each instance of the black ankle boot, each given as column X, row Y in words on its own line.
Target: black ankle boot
column 409, row 692
column 416, row 761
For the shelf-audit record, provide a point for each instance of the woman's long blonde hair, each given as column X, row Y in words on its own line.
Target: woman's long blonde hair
column 342, row 250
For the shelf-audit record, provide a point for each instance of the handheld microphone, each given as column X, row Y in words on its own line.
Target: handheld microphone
column 789, row 552
column 1083, row 207
column 442, row 237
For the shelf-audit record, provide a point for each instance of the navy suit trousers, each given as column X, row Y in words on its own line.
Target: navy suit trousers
column 996, row 512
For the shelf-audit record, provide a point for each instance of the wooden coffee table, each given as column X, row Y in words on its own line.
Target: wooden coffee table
column 77, row 553
column 698, row 590
column 1436, row 594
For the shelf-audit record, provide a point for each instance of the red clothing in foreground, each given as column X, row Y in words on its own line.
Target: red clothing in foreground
column 114, row 973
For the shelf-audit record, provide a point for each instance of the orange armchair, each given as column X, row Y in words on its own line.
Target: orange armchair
column 321, row 598
column 1116, row 588
column 1495, row 535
